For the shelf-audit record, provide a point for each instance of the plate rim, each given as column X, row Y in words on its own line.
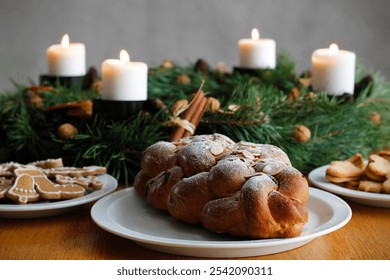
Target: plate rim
column 104, row 222
column 336, row 189
column 57, row 205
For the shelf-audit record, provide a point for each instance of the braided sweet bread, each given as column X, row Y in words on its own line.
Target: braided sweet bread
column 244, row 189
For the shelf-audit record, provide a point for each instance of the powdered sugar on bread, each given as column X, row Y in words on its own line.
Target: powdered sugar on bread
column 217, row 191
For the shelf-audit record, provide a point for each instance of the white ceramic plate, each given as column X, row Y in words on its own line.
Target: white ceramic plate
column 317, row 178
column 44, row 209
column 125, row 214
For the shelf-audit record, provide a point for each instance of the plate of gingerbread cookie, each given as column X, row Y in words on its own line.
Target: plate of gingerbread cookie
column 48, row 188
column 123, row 213
column 351, row 187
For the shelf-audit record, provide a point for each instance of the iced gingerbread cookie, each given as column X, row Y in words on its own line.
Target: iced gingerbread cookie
column 48, row 163
column 5, row 185
column 86, row 182
column 4, row 171
column 22, row 191
column 74, row 171
column 7, row 169
column 49, row 190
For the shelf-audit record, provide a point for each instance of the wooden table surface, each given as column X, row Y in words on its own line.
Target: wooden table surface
column 74, row 236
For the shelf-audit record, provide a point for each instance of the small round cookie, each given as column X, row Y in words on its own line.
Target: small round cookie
column 343, row 171
column 370, row 186
column 377, row 168
column 386, row 184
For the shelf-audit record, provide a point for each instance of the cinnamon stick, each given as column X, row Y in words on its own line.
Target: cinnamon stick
column 195, row 120
column 188, row 114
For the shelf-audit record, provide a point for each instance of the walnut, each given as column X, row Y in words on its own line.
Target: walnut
column 294, row 94
column 35, row 101
column 178, row 105
column 183, row 80
column 213, row 104
column 375, row 118
column 67, row 131
column 34, row 97
column 159, row 103
column 305, row 79
column 305, row 82
column 222, row 68
column 301, row 133
column 167, row 64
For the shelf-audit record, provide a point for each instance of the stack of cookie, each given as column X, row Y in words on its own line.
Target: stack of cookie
column 354, row 173
column 47, row 180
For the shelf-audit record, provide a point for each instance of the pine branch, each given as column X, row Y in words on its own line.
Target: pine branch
column 253, row 108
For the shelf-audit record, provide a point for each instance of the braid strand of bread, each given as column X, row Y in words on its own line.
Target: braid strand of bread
column 243, row 189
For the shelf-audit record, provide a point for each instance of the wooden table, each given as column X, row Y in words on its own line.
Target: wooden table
column 74, row 236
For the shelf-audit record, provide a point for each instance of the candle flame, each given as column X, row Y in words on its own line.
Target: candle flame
column 65, row 41
column 333, row 49
column 124, row 56
column 255, row 34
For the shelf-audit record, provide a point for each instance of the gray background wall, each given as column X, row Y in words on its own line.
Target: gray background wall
column 185, row 30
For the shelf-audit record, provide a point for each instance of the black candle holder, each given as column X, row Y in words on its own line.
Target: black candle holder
column 74, row 81
column 119, row 110
column 255, row 72
column 364, row 86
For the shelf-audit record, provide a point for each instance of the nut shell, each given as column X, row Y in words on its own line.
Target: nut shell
column 67, row 131
column 301, row 133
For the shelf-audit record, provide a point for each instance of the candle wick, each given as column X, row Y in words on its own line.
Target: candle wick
column 333, row 49
column 124, row 57
column 65, row 41
column 255, row 34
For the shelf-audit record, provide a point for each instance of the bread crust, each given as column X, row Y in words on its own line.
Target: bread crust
column 244, row 189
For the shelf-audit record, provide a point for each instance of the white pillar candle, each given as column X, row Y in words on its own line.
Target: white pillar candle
column 66, row 60
column 333, row 70
column 257, row 52
column 124, row 80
